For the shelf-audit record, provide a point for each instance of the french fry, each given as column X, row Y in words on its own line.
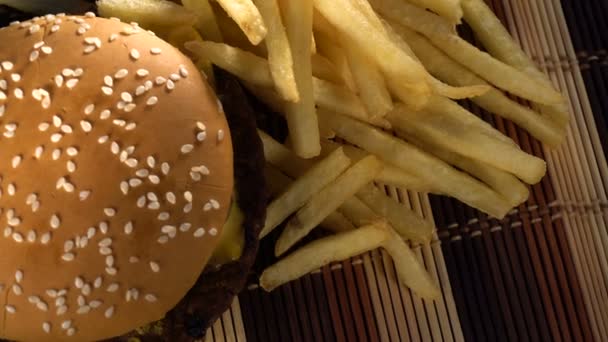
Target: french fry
column 507, row 185
column 370, row 82
column 248, row 17
column 206, row 24
column 390, row 175
column 341, row 100
column 406, row 222
column 497, row 40
column 243, row 64
column 449, row 9
column 322, row 252
column 301, row 117
column 302, row 189
column 279, row 52
column 405, row 76
column 278, row 183
column 336, row 222
column 232, row 33
column 333, row 51
column 324, row 69
column 277, row 180
column 409, row 270
column 445, row 179
column 282, row 158
column 452, row 132
column 540, row 126
column 147, row 12
column 438, row 86
column 489, row 68
column 326, row 201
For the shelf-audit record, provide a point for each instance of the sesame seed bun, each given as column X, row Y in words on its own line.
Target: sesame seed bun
column 117, row 174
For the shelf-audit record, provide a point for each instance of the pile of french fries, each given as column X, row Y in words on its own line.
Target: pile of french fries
column 368, row 90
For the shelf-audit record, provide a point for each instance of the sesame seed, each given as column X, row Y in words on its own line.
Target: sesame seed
column 168, row 229
column 175, row 77
column 220, row 135
column 112, row 287
column 141, row 202
column 33, row 299
column 134, row 182
column 131, row 162
column 71, row 332
column 195, row 176
column 187, row 148
column 42, row 306
column 7, row 65
column 122, row 73
column 31, row 236
column 17, row 290
column 46, row 327
column 130, row 107
column 68, row 256
column 55, row 221
column 83, row 310
column 10, row 309
column 65, row 325
column 148, row 85
column 105, row 114
column 72, row 83
column 110, row 261
column 142, row 72
column 103, row 139
column 19, row 276
column 126, row 97
column 213, row 232
column 103, row 227
column 45, row 238
column 109, row 312
column 67, row 129
column 155, row 51
column 71, row 166
column 58, row 80
column 34, row 55
column 55, row 28
column 113, row 37
column 3, row 85
column 164, row 216
column 142, row 173
column 68, row 246
column 8, row 231
column 83, row 195
column 16, row 77
column 56, row 137
column 14, row 221
column 111, row 271
column 61, row 310
column 170, row 85
column 150, row 298
column 72, row 151
column 89, row 109
column 105, row 250
column 134, row 54
column 81, row 30
column 39, row 44
column 110, row 212
column 34, row 28
column 89, row 49
column 183, row 71
column 47, row 50
column 19, row 93
column 119, row 122
column 163, row 239
column 199, row 232
column 152, row 100
column 184, row 227
column 17, row 237
column 83, row 242
column 2, row 110
column 114, row 147
column 170, row 197
column 188, row 208
column 16, row 161
column 154, row 206
column 160, row 80
column 95, row 304
column 2, row 95
column 154, row 179
column 86, row 289
column 11, row 189
column 56, row 154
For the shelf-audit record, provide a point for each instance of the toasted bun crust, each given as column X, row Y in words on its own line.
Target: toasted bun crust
column 114, row 189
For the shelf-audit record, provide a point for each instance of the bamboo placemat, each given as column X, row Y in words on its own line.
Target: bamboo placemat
column 539, row 274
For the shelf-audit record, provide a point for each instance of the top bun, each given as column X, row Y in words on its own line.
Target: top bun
column 116, row 177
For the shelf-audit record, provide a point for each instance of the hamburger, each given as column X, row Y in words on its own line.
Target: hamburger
column 130, row 192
